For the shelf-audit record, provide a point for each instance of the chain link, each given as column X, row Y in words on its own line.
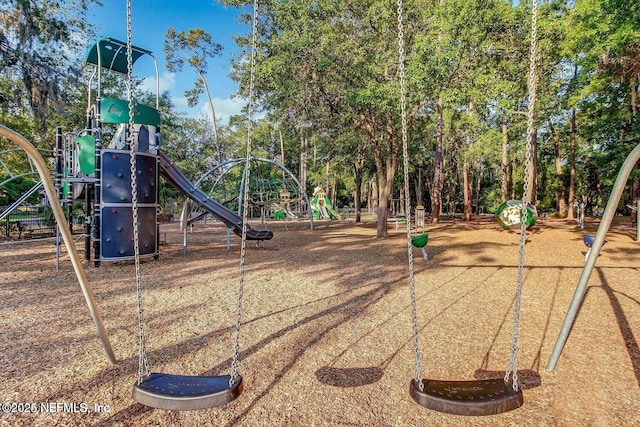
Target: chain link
column 405, row 157
column 245, row 197
column 143, row 362
column 511, row 373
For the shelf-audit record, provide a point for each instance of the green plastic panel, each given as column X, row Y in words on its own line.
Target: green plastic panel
column 420, row 241
column 113, row 54
column 114, row 110
column 508, row 214
column 87, row 153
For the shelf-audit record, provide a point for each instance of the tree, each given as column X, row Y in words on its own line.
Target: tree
column 38, row 42
column 200, row 45
column 602, row 42
column 327, row 71
column 330, row 65
column 458, row 63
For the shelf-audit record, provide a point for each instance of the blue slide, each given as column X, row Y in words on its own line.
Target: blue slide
column 171, row 173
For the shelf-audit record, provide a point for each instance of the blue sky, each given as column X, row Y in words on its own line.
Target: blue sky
column 151, row 18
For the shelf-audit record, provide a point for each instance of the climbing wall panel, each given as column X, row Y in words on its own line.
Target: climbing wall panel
column 116, row 177
column 117, row 232
column 116, row 210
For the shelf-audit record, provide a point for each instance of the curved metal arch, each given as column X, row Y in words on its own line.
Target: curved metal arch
column 22, row 175
column 235, row 162
column 87, row 292
column 232, row 162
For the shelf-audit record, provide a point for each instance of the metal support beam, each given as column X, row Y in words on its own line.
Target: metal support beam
column 45, row 177
column 605, row 223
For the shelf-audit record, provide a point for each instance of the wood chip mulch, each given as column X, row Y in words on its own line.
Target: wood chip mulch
column 326, row 337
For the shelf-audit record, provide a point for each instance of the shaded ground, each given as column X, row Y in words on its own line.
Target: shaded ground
column 326, row 333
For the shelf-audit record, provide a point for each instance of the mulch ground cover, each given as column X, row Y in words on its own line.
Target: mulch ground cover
column 326, row 336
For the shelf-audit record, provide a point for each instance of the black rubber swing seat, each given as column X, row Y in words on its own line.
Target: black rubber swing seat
column 475, row 397
column 185, row 393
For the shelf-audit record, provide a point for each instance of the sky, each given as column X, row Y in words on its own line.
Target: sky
column 150, row 19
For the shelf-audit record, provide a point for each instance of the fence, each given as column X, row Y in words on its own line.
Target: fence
column 27, row 222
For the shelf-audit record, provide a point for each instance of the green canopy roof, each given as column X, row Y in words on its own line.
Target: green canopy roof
column 113, row 54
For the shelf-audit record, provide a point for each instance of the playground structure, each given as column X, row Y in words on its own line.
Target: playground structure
column 510, row 215
column 474, row 397
column 90, row 163
column 277, row 198
column 124, row 176
column 321, row 205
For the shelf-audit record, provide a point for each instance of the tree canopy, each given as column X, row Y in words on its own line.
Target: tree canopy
column 327, row 88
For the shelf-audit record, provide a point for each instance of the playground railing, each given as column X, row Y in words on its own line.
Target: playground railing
column 27, row 222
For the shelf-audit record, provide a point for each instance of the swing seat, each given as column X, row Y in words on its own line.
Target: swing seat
column 476, row 397
column 184, row 392
column 420, row 241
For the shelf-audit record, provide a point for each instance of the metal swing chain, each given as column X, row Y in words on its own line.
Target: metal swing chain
column 143, row 363
column 245, row 196
column 512, row 368
column 405, row 157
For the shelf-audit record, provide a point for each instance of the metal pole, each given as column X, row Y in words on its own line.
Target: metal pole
column 97, row 186
column 87, row 222
column 58, row 185
column 66, row 235
column 184, row 223
column 581, row 214
column 609, row 213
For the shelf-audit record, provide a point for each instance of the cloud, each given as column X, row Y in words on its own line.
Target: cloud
column 167, row 82
column 180, row 102
column 225, row 108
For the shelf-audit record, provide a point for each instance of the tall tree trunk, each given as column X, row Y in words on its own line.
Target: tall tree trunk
column 467, row 189
column 504, row 187
column 572, row 160
column 358, row 170
column 436, row 190
column 385, row 173
column 634, row 95
column 284, row 174
column 385, row 153
column 478, row 188
column 327, row 181
column 214, row 123
column 385, row 185
column 512, row 178
column 372, row 194
column 467, row 180
column 560, row 190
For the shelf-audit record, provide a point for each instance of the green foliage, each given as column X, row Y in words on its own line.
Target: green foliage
column 327, row 81
column 188, row 143
column 193, row 47
column 14, row 189
column 39, row 42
